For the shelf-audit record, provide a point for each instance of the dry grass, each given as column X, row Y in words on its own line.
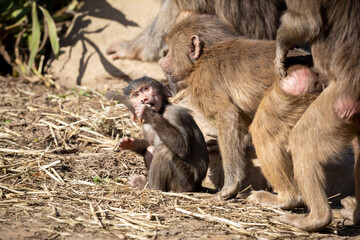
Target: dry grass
column 61, row 178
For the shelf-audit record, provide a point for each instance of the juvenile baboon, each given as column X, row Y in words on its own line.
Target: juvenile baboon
column 226, row 82
column 173, row 147
column 258, row 19
column 280, row 109
column 331, row 121
column 215, row 175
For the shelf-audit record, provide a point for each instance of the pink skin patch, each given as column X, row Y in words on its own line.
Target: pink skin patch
column 298, row 82
column 347, row 108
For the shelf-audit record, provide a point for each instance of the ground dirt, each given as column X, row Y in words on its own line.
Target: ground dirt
column 83, row 59
column 60, row 177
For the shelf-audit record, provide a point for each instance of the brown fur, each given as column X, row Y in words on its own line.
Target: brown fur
column 215, row 174
column 179, row 159
column 277, row 115
column 257, row 19
column 226, row 81
column 331, row 122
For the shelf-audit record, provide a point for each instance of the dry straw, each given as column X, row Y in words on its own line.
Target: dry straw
column 61, row 178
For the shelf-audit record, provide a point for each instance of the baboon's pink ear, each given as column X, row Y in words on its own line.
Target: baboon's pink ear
column 196, row 48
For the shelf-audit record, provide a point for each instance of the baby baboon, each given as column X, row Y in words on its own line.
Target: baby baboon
column 173, row 147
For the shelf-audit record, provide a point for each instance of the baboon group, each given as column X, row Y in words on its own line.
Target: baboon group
column 278, row 77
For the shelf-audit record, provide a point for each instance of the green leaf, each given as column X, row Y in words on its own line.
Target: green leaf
column 35, row 36
column 7, row 121
column 19, row 14
column 54, row 40
column 21, row 66
column 6, row 8
column 72, row 6
column 62, row 95
column 17, row 20
column 96, row 179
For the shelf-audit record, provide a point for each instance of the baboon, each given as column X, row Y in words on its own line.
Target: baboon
column 331, row 121
column 173, row 147
column 258, row 19
column 226, row 82
column 280, row 109
column 215, row 175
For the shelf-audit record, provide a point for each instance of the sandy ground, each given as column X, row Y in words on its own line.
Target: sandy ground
column 83, row 60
